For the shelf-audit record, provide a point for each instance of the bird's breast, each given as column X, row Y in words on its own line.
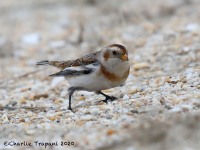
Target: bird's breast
column 118, row 73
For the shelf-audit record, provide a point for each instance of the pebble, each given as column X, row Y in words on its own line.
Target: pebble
column 59, row 101
column 175, row 109
column 30, row 132
column 111, row 132
column 95, row 111
column 2, row 40
column 108, row 116
column 57, row 44
column 38, row 96
column 192, row 27
column 135, row 96
column 186, row 107
column 133, row 90
column 141, row 65
column 87, row 117
column 32, row 38
column 81, row 122
column 26, row 119
column 5, row 119
column 89, row 124
column 64, row 93
column 130, row 148
column 126, row 97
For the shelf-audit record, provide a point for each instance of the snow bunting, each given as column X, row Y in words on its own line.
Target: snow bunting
column 97, row 71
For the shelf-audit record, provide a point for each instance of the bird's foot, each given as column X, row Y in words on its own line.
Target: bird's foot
column 111, row 98
column 69, row 108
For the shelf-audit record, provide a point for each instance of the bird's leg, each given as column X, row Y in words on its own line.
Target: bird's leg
column 107, row 97
column 71, row 91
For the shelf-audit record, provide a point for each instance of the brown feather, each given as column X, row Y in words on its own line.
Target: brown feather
column 85, row 60
column 61, row 64
column 120, row 47
column 106, row 55
column 113, row 77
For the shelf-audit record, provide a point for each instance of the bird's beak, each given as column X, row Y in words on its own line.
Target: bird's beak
column 124, row 57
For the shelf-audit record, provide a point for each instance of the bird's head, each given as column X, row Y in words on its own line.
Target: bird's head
column 114, row 53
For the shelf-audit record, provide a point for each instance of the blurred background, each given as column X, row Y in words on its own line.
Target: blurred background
column 64, row 29
column 163, row 40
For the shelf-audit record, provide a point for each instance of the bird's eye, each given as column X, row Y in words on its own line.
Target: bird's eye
column 114, row 52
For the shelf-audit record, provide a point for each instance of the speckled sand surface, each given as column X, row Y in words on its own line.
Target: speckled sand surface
column 158, row 107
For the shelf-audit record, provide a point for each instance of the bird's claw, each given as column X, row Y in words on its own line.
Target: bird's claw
column 111, row 98
column 69, row 108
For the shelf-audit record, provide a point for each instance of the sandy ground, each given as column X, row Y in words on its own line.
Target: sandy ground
column 158, row 107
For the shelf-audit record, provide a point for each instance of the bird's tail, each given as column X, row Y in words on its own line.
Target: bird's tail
column 58, row 64
column 45, row 62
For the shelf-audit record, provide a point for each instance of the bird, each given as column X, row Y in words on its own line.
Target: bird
column 94, row 72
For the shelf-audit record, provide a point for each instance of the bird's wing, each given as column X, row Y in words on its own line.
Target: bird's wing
column 87, row 59
column 83, row 61
column 70, row 72
column 58, row 64
column 77, row 70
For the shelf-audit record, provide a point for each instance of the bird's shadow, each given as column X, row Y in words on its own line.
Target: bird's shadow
column 86, row 104
column 34, row 109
